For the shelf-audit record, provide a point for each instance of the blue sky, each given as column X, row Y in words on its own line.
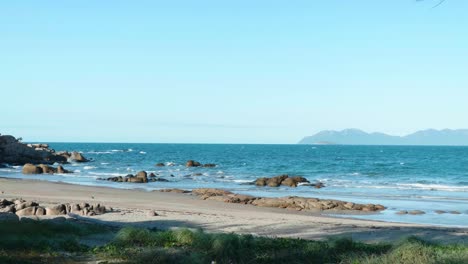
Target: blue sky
column 230, row 71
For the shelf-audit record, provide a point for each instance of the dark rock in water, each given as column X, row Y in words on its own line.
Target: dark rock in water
column 160, row 164
column 198, row 174
column 209, row 165
column 454, row 212
column 152, row 175
column 192, row 163
column 401, row 212
column 440, row 212
column 159, row 180
column 318, row 185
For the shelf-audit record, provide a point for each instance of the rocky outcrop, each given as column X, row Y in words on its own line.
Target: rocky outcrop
column 14, row 152
column 291, row 202
column 192, row 163
column 160, row 164
column 24, row 208
column 140, row 177
column 29, row 168
column 286, row 180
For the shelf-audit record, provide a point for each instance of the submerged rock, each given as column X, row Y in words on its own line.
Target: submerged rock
column 160, row 164
column 192, row 163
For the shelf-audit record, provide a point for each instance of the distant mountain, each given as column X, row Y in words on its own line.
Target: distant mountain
column 359, row 137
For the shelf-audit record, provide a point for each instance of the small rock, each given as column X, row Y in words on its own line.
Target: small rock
column 160, row 164
column 152, row 213
column 404, row 212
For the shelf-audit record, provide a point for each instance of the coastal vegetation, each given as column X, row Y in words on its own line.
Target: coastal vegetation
column 71, row 241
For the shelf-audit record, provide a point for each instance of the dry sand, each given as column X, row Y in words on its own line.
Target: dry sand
column 131, row 207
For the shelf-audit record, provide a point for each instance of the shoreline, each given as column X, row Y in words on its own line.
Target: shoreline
column 182, row 210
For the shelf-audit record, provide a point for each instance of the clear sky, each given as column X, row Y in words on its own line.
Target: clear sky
column 239, row 71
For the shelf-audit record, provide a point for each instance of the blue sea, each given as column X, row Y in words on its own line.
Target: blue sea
column 424, row 178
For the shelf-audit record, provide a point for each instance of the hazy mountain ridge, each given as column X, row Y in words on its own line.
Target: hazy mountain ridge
column 359, row 137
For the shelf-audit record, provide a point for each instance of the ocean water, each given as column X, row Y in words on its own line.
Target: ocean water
column 399, row 177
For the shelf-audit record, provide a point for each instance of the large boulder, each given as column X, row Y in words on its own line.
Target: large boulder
column 59, row 209
column 29, row 168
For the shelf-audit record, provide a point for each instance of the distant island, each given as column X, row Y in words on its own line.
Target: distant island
column 445, row 137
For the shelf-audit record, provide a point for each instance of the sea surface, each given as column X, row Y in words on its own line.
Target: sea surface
column 399, row 177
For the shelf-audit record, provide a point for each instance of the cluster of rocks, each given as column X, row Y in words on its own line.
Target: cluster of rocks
column 140, row 177
column 286, row 180
column 29, row 168
column 192, row 163
column 291, row 202
column 14, row 152
column 24, row 208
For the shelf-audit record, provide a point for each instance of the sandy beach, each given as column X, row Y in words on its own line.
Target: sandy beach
column 175, row 210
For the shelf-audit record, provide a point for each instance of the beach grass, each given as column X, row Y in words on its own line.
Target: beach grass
column 63, row 242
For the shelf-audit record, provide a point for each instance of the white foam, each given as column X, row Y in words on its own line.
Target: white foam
column 241, row 181
column 104, row 163
column 436, row 187
column 106, row 174
column 88, row 167
column 99, row 152
column 142, row 152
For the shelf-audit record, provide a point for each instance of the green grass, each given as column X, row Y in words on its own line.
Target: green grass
column 60, row 242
